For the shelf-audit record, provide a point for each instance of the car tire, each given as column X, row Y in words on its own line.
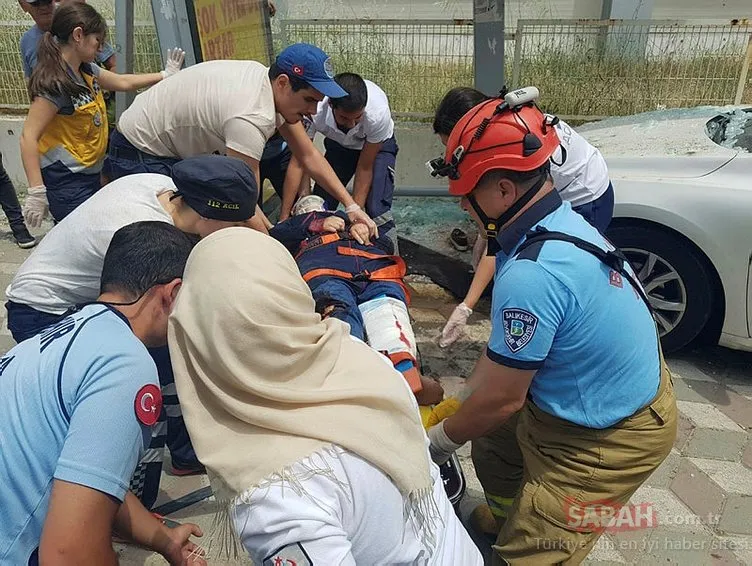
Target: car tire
column 654, row 253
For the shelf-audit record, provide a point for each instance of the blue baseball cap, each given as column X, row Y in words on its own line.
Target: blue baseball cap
column 310, row 64
column 217, row 187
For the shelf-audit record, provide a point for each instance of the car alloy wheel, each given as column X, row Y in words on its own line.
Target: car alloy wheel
column 677, row 279
column 663, row 286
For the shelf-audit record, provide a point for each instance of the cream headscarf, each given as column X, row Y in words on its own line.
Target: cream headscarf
column 263, row 382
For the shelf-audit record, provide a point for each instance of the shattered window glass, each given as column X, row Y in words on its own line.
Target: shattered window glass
column 732, row 129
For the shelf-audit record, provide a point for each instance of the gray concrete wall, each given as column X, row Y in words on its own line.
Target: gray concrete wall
column 10, row 135
column 417, row 144
column 416, row 141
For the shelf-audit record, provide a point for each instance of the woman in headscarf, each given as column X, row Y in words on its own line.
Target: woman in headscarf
column 312, row 441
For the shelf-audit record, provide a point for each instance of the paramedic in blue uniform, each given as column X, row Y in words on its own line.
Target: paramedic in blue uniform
column 571, row 403
column 206, row 193
column 360, row 145
column 77, row 403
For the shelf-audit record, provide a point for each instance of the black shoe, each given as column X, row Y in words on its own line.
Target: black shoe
column 458, row 238
column 192, row 469
column 23, row 238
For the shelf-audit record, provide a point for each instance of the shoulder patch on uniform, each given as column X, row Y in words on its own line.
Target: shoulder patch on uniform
column 148, row 404
column 519, row 328
column 290, row 555
column 615, row 279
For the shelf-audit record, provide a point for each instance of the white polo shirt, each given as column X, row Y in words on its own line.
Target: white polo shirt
column 583, row 177
column 376, row 126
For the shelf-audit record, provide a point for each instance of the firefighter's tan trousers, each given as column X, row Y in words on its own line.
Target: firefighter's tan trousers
column 536, row 467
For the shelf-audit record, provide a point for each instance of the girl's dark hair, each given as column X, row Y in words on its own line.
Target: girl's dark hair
column 50, row 75
column 455, row 104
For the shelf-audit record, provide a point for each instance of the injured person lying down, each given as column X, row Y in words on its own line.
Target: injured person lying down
column 357, row 281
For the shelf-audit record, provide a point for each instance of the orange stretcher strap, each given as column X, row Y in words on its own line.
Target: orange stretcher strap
column 393, row 273
column 321, row 240
column 313, row 273
column 412, row 376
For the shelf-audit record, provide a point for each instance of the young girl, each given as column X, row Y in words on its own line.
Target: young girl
column 64, row 139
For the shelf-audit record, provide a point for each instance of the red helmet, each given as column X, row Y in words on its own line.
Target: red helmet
column 518, row 139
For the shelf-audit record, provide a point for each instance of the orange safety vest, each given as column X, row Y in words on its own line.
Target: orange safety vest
column 393, row 273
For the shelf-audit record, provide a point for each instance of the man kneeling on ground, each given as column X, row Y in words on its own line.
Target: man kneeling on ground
column 77, row 403
column 205, row 193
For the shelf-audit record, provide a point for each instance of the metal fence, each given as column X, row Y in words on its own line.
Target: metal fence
column 415, row 62
column 584, row 69
column 13, row 95
column 589, row 69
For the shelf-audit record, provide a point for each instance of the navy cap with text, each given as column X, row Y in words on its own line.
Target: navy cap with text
column 217, row 187
column 310, row 64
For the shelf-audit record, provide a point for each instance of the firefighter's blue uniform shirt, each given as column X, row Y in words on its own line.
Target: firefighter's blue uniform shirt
column 565, row 314
column 67, row 412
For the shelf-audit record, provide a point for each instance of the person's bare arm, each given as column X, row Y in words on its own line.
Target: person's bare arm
column 364, row 172
column 312, row 161
column 78, row 527
column 116, row 82
column 133, row 522
column 484, row 273
column 293, row 179
column 259, row 221
column 41, row 113
column 497, row 393
column 122, row 83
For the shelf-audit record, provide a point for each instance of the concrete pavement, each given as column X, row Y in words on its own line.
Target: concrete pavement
column 701, row 497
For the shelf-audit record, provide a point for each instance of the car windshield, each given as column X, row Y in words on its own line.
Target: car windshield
column 732, row 129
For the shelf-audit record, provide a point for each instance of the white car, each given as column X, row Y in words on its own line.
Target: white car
column 683, row 216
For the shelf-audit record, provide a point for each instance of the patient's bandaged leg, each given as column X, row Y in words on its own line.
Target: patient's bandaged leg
column 388, row 330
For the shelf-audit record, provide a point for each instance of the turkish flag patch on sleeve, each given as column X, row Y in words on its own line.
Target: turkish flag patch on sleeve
column 290, row 555
column 148, row 404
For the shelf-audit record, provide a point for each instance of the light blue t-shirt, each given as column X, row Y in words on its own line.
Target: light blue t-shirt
column 67, row 412
column 30, row 43
column 561, row 311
